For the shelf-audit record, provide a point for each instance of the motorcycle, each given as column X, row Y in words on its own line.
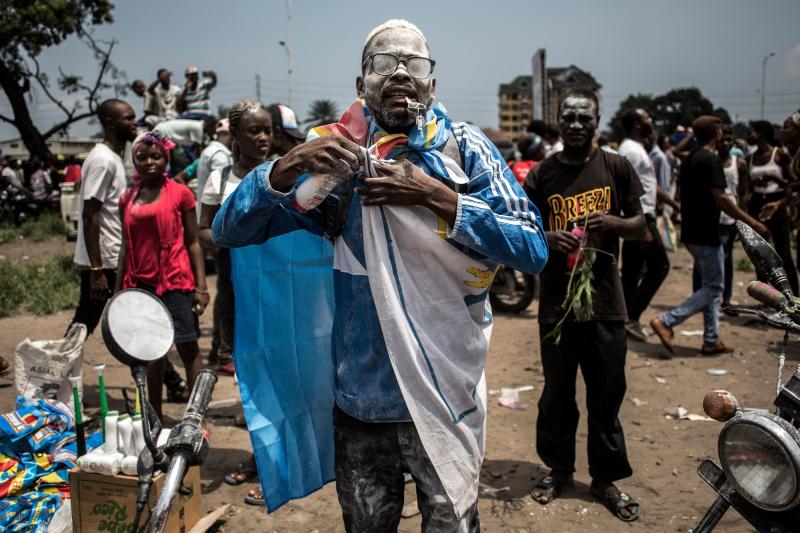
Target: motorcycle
column 513, row 291
column 137, row 329
column 15, row 206
column 759, row 450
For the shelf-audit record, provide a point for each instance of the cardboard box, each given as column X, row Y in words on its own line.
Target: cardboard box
column 108, row 503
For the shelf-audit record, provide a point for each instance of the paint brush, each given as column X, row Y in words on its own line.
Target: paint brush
column 101, row 382
column 80, row 436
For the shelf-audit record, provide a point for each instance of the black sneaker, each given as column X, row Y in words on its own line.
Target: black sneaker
column 636, row 331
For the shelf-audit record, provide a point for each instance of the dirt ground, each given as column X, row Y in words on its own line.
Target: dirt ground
column 664, row 452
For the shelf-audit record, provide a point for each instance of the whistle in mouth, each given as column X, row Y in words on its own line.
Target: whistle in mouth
column 418, row 110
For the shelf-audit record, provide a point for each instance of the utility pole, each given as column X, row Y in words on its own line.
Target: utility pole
column 287, row 45
column 763, row 81
column 258, row 87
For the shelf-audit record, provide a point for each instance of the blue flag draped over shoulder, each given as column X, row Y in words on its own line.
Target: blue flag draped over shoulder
column 282, row 353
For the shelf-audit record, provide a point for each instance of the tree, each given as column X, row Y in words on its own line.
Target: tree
column 633, row 101
column 26, row 29
column 678, row 107
column 322, row 112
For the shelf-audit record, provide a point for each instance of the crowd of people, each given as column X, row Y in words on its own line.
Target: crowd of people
column 203, row 184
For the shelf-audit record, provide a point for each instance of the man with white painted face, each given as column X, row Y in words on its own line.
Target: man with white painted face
column 409, row 386
column 598, row 192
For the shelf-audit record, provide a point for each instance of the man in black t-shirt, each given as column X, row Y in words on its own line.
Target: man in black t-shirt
column 702, row 184
column 600, row 191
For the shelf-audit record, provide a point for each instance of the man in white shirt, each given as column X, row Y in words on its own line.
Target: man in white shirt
column 149, row 116
column 165, row 94
column 99, row 226
column 216, row 156
column 645, row 264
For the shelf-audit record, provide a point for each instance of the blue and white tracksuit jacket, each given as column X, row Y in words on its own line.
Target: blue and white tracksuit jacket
column 495, row 223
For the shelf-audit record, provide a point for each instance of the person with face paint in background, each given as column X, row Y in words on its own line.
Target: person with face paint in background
column 586, row 187
column 769, row 178
column 103, row 181
column 645, row 264
column 376, row 436
column 161, row 255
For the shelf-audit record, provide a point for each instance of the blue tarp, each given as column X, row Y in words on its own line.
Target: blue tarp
column 282, row 354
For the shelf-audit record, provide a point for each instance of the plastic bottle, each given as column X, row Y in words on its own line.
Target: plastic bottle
column 313, row 191
column 125, row 434
column 138, row 435
column 111, row 431
column 129, row 465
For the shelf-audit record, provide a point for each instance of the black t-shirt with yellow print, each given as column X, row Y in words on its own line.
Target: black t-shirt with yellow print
column 565, row 194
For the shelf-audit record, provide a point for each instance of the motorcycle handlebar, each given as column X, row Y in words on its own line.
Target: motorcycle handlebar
column 201, row 394
column 766, row 294
column 193, row 416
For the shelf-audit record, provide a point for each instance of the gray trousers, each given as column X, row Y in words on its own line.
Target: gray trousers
column 370, row 460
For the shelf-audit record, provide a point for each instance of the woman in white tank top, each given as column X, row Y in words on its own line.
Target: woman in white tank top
column 769, row 177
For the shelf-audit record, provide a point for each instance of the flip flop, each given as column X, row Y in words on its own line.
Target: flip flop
column 252, row 499
column 549, row 487
column 618, row 501
column 242, row 474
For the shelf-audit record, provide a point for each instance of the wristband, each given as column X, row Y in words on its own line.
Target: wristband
column 198, row 291
column 95, row 269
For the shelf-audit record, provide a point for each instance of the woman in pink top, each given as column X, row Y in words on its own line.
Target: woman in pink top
column 161, row 254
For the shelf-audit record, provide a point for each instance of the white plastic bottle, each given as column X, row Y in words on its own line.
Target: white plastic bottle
column 111, row 431
column 313, row 191
column 138, row 435
column 125, row 434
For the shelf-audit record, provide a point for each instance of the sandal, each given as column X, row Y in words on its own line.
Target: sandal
column 617, row 502
column 255, row 497
column 242, row 474
column 550, row 487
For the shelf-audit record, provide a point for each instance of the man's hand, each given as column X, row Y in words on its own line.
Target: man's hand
column 562, row 241
column 648, row 241
column 768, row 209
column 601, row 221
column 332, row 155
column 201, row 300
column 399, row 183
column 761, row 229
column 99, row 285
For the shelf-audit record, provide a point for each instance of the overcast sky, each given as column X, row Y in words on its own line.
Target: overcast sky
column 630, row 46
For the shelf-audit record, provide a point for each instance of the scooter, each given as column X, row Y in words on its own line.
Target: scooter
column 513, row 291
column 138, row 330
column 759, row 450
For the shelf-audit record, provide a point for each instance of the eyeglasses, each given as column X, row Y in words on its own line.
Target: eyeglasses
column 384, row 64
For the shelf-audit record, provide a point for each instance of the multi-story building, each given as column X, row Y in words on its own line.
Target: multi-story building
column 59, row 145
column 516, row 98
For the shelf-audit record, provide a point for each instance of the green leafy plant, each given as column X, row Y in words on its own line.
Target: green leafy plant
column 41, row 288
column 38, row 230
column 580, row 288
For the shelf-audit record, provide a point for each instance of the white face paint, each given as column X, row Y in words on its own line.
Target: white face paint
column 386, row 95
column 577, row 121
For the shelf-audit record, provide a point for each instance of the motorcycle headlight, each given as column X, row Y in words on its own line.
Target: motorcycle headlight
column 760, row 454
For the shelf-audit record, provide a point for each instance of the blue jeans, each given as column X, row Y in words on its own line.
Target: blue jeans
column 708, row 261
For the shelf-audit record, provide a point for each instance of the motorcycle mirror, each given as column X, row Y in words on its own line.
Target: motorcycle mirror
column 137, row 328
column 766, row 260
column 720, row 405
